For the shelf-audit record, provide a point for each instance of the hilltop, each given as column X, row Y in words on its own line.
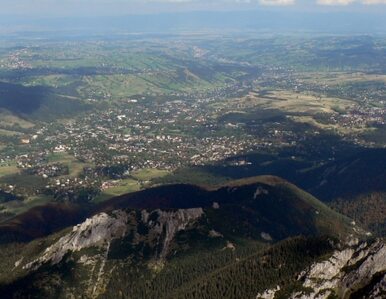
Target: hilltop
column 279, row 201
column 152, row 232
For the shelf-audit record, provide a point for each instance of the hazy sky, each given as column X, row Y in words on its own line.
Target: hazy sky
column 125, row 7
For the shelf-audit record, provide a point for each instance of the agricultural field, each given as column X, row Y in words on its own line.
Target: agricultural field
column 8, row 169
column 146, row 175
column 118, row 188
column 138, row 180
column 288, row 102
column 9, row 119
column 13, row 208
column 75, row 167
column 339, row 78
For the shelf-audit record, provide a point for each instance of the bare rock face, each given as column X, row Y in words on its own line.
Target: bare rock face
column 170, row 222
column 379, row 289
column 100, row 230
column 359, row 268
column 97, row 231
column 259, row 191
column 266, row 236
column 374, row 262
column 268, row 294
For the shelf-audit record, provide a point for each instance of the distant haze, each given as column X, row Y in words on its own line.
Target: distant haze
column 338, row 22
column 338, row 16
column 125, row 7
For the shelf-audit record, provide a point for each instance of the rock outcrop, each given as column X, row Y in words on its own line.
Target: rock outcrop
column 170, row 222
column 358, row 270
column 97, row 231
column 100, row 230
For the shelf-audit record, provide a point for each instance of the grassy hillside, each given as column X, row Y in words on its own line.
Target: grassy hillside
column 38, row 102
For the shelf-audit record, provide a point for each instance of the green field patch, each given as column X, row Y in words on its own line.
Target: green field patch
column 30, row 182
column 75, row 167
column 16, row 207
column 121, row 187
column 9, row 119
column 50, row 80
column 149, row 174
column 4, row 132
column 8, row 169
column 192, row 175
column 117, row 86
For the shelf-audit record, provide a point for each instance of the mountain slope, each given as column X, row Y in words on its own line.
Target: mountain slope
column 135, row 244
column 258, row 201
column 38, row 102
column 41, row 221
column 354, row 186
column 362, row 173
column 254, row 205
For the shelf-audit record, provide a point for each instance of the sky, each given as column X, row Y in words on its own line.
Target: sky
column 156, row 16
column 129, row 7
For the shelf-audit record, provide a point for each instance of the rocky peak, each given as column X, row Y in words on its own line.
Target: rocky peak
column 357, row 268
